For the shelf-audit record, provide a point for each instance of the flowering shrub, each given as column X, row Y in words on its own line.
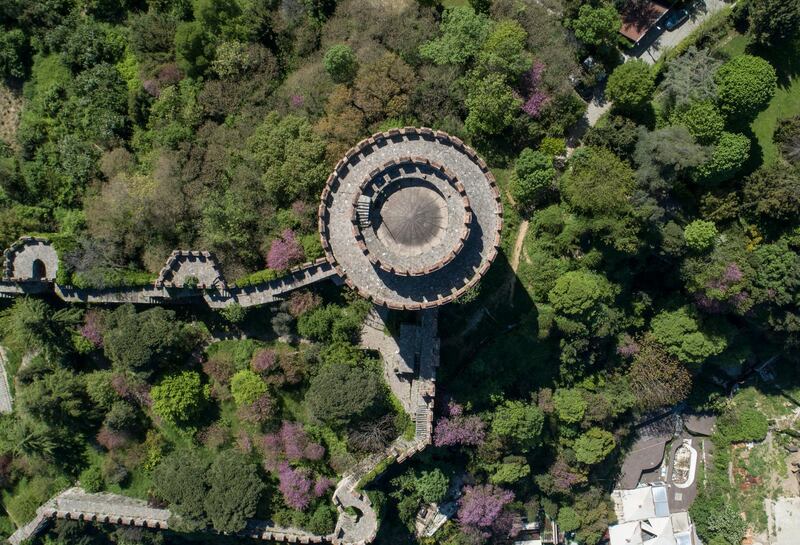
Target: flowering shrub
column 284, row 251
column 263, row 360
column 533, row 94
column 457, row 429
column 290, row 443
column 295, row 485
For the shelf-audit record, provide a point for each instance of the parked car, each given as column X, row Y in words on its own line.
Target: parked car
column 676, row 19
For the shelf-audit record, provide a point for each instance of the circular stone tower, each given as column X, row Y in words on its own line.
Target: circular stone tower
column 411, row 218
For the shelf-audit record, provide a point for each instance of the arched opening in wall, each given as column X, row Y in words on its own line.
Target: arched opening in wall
column 39, row 271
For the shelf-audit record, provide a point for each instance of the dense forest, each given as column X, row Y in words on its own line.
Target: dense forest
column 661, row 261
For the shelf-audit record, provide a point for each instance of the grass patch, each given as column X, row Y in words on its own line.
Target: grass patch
column 786, row 102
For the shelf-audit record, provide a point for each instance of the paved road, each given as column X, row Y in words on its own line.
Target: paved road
column 658, row 42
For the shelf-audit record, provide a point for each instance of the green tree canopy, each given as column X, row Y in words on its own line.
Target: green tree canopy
column 680, row 333
column 341, row 63
column 700, row 235
column 247, row 387
column 690, row 78
column 570, row 405
column 631, row 85
column 703, row 119
column 773, row 193
column 291, row 156
column 138, row 341
column 597, row 26
column 581, row 300
column 532, row 179
column 180, row 479
column 745, row 84
column 463, row 33
column 593, row 446
column 504, row 51
column 178, row 398
column 235, row 489
column 31, row 324
column 520, row 423
column 340, row 393
column 432, row 485
column 772, row 21
column 492, row 105
column 727, row 158
column 599, row 183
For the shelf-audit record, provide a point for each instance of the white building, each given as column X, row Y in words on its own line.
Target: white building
column 644, row 518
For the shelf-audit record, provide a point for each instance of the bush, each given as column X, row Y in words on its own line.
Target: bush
column 256, row 278
column 728, row 157
column 745, row 84
column 745, row 424
column 703, row 119
column 247, row 387
column 700, row 235
column 178, row 398
column 91, row 479
column 631, row 85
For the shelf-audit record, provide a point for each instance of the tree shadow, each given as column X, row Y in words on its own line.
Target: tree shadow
column 501, row 354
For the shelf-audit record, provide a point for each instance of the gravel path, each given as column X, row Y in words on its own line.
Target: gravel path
column 5, row 392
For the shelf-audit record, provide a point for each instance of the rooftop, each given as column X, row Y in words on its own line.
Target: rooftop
column 637, row 22
column 411, row 218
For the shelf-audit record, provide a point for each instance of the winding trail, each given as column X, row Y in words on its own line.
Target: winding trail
column 518, row 245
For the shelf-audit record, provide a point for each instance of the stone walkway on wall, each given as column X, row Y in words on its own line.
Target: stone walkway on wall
column 261, row 294
column 5, row 391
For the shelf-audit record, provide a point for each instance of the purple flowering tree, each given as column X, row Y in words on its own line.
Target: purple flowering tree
column 533, row 94
column 458, row 429
column 290, row 443
column 724, row 290
column 295, row 485
column 284, row 251
column 481, row 509
column 321, row 486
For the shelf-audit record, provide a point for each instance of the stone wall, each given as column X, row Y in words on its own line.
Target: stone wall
column 30, row 259
column 171, row 286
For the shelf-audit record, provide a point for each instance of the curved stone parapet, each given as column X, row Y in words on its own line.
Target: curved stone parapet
column 30, row 259
column 184, row 265
column 444, row 267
